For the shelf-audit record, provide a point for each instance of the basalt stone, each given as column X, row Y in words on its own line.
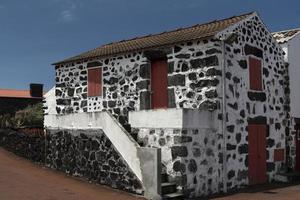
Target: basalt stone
column 270, row 142
column 170, row 67
column 277, row 126
column 257, row 96
column 112, row 104
column 192, row 166
column 238, row 138
column 179, row 167
column 162, row 141
column 236, row 80
column 71, row 92
column 230, row 128
column 145, row 71
column 192, row 76
column 209, row 152
column 211, row 94
column 228, row 75
column 266, row 72
column 145, row 100
column 184, row 67
column 242, row 113
column 94, row 64
column 208, row 105
column 183, row 56
column 204, row 62
column 212, row 51
column 182, row 139
column 251, row 50
column 143, row 84
column 233, row 106
column 58, row 93
column 176, row 80
column 179, row 151
column 83, row 103
column 113, row 80
column 270, row 166
column 243, row 64
column 213, row 72
column 177, row 49
column 230, row 174
column 64, row 102
column 231, row 147
column 190, row 94
column 242, row 175
column 171, row 98
column 196, row 152
column 243, row 149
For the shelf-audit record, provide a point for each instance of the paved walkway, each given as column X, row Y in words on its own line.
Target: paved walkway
column 22, row 180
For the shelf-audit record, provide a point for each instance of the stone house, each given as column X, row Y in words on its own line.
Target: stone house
column 190, row 112
column 289, row 40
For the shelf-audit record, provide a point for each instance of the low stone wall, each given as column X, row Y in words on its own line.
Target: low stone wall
column 90, row 154
column 28, row 146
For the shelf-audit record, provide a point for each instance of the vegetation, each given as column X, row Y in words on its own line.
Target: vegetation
column 31, row 116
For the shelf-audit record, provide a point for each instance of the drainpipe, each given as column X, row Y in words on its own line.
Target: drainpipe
column 224, row 116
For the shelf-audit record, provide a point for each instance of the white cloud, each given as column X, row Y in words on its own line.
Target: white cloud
column 68, row 9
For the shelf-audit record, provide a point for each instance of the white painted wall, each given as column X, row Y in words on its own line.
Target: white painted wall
column 124, row 143
column 50, row 102
column 293, row 57
column 173, row 118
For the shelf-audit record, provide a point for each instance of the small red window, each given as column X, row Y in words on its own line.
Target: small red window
column 255, row 75
column 278, row 155
column 95, row 82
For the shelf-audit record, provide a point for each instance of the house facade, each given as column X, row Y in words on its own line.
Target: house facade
column 208, row 105
column 289, row 40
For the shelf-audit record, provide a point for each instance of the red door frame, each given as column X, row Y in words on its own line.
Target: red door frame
column 159, row 84
column 257, row 169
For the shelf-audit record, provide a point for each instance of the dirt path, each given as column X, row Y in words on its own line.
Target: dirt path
column 265, row 192
column 22, row 180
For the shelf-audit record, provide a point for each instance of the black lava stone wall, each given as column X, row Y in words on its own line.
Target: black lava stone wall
column 90, row 154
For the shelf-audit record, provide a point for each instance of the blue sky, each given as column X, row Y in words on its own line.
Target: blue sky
column 36, row 33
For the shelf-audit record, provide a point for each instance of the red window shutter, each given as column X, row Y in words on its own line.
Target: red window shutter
column 255, row 75
column 279, row 155
column 95, row 82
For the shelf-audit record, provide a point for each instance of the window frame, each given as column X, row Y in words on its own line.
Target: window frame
column 101, row 87
column 261, row 73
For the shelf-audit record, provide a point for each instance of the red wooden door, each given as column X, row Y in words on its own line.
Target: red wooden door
column 297, row 147
column 257, row 168
column 159, row 84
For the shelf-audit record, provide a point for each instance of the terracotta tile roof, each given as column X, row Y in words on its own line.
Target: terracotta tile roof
column 16, row 93
column 158, row 40
column 284, row 36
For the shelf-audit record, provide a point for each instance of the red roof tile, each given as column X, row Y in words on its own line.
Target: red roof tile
column 15, row 93
column 159, row 40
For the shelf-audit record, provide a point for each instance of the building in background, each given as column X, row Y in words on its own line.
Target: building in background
column 14, row 100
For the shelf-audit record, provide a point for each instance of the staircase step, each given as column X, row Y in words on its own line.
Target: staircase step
column 167, row 188
column 164, row 178
column 288, row 177
column 174, row 196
